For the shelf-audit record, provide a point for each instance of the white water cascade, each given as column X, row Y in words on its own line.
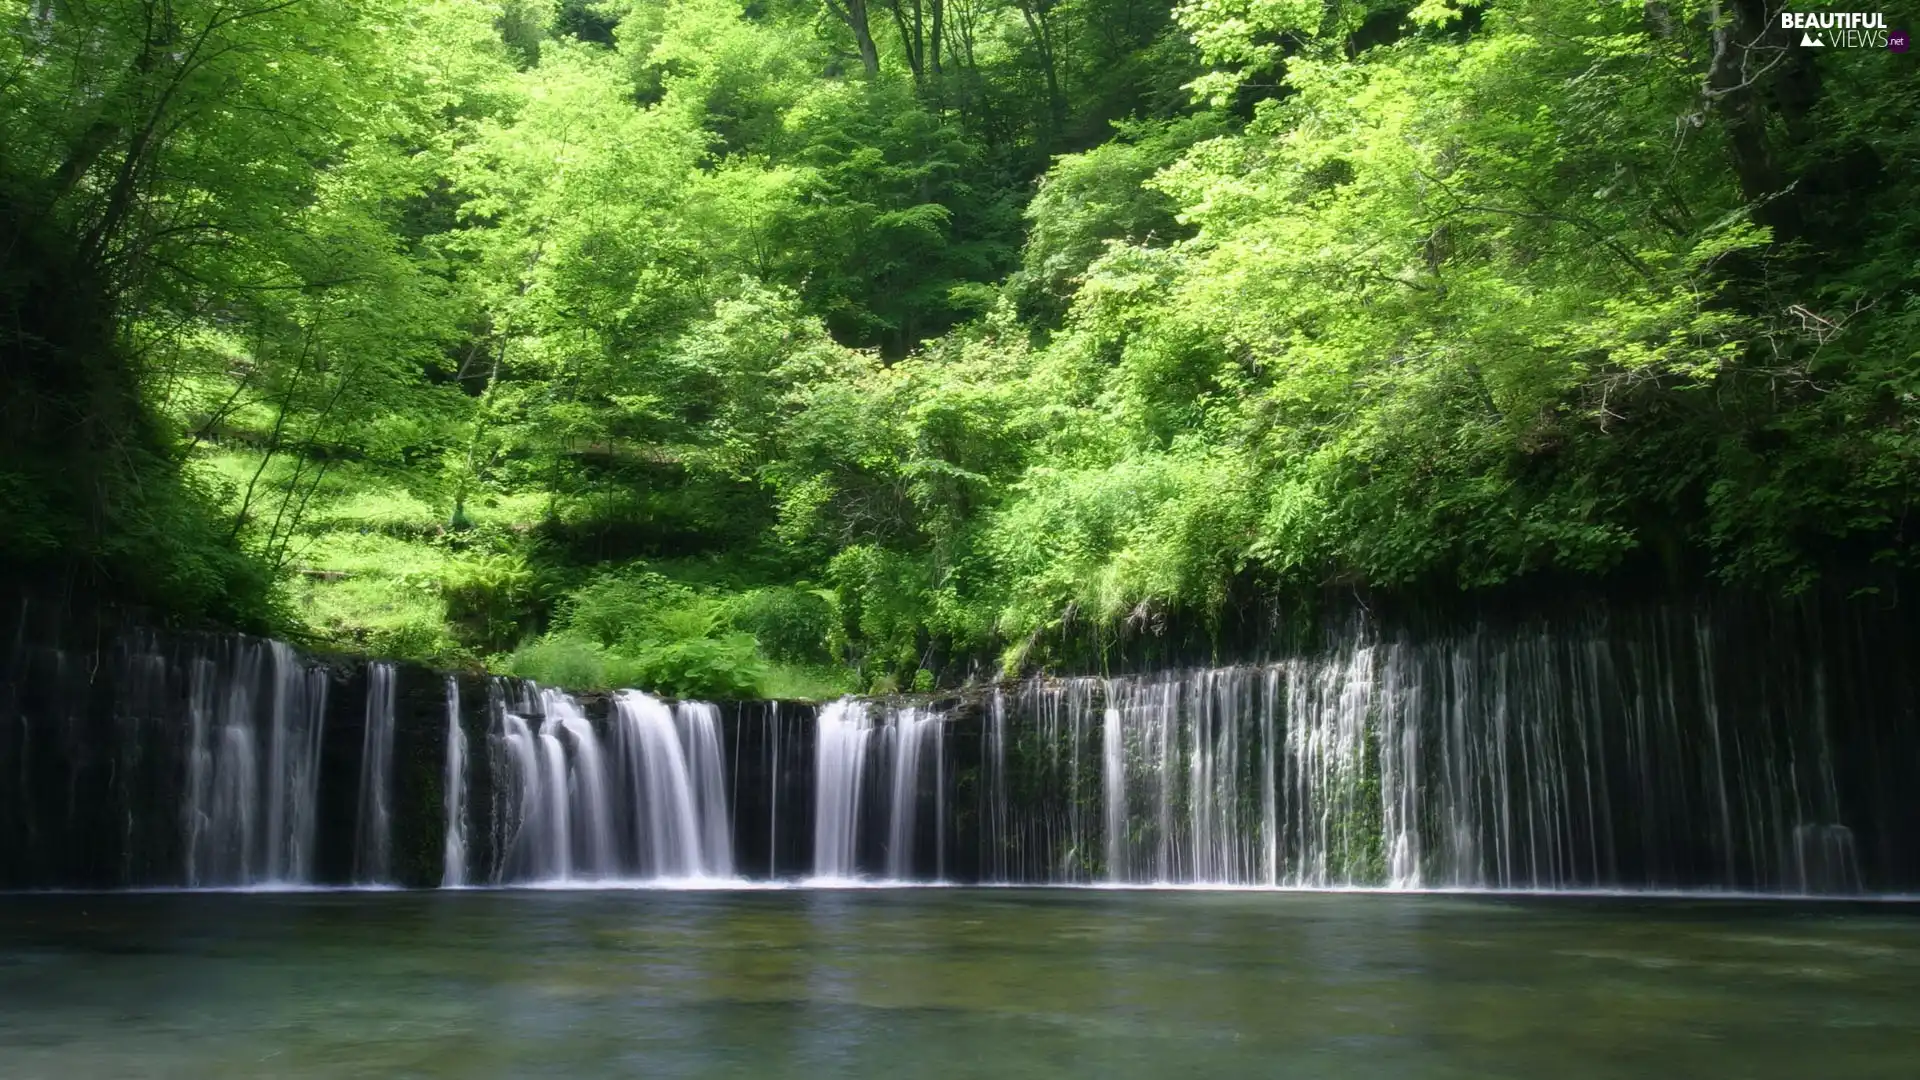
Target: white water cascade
column 1113, row 777
column 1609, row 754
column 577, row 770
column 771, row 766
column 648, row 801
column 907, row 749
column 373, row 831
column 247, row 818
column 454, row 788
column 522, row 843
column 995, row 808
column 1517, row 760
column 1744, row 747
column 844, row 732
column 553, row 795
column 699, row 725
column 671, row 771
column 909, row 731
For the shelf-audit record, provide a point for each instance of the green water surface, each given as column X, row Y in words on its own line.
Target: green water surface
column 935, row 983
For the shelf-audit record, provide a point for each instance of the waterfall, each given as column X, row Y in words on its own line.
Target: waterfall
column 841, row 758
column 552, row 792
column 671, row 765
column 297, row 720
column 556, row 838
column 455, row 790
column 506, row 772
column 912, row 757
column 1529, row 760
column 520, row 805
column 666, row 819
column 567, row 810
column 373, row 832
column 202, row 848
column 908, row 731
column 940, row 802
column 1824, row 860
column 698, row 723
column 249, row 818
column 1056, row 845
column 993, row 812
column 772, row 767
column 1745, row 748
column 1113, row 777
column 578, row 769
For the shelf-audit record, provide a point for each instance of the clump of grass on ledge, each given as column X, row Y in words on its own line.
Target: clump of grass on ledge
column 724, row 667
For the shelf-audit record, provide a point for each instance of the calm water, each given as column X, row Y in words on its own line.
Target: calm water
column 952, row 983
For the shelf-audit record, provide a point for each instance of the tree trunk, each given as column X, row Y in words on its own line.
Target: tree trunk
column 853, row 13
column 1036, row 13
column 1757, row 71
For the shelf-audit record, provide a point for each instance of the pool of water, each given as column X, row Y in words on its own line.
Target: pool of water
column 936, row 983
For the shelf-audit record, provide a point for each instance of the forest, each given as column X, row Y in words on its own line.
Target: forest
column 789, row 348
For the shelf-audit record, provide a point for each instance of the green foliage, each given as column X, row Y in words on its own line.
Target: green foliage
column 666, row 659
column 732, row 350
column 640, row 628
column 791, row 624
column 491, row 600
column 790, row 682
column 615, row 608
column 563, row 661
column 703, row 667
column 1092, row 199
column 885, row 602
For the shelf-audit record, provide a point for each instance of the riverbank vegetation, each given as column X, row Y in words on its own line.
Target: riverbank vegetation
column 791, row 347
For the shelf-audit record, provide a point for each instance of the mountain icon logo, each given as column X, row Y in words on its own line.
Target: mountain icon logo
column 1809, row 41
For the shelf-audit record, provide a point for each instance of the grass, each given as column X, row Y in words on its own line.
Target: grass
column 791, row 682
column 373, row 567
column 563, row 660
column 375, row 592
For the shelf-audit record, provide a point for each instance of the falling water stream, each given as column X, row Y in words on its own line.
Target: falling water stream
column 909, row 731
column 454, row 855
column 571, row 810
column 1530, row 762
column 1654, row 749
column 839, row 777
column 247, row 818
column 672, row 774
column 373, row 845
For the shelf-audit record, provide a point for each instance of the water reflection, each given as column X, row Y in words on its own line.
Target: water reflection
column 951, row 983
